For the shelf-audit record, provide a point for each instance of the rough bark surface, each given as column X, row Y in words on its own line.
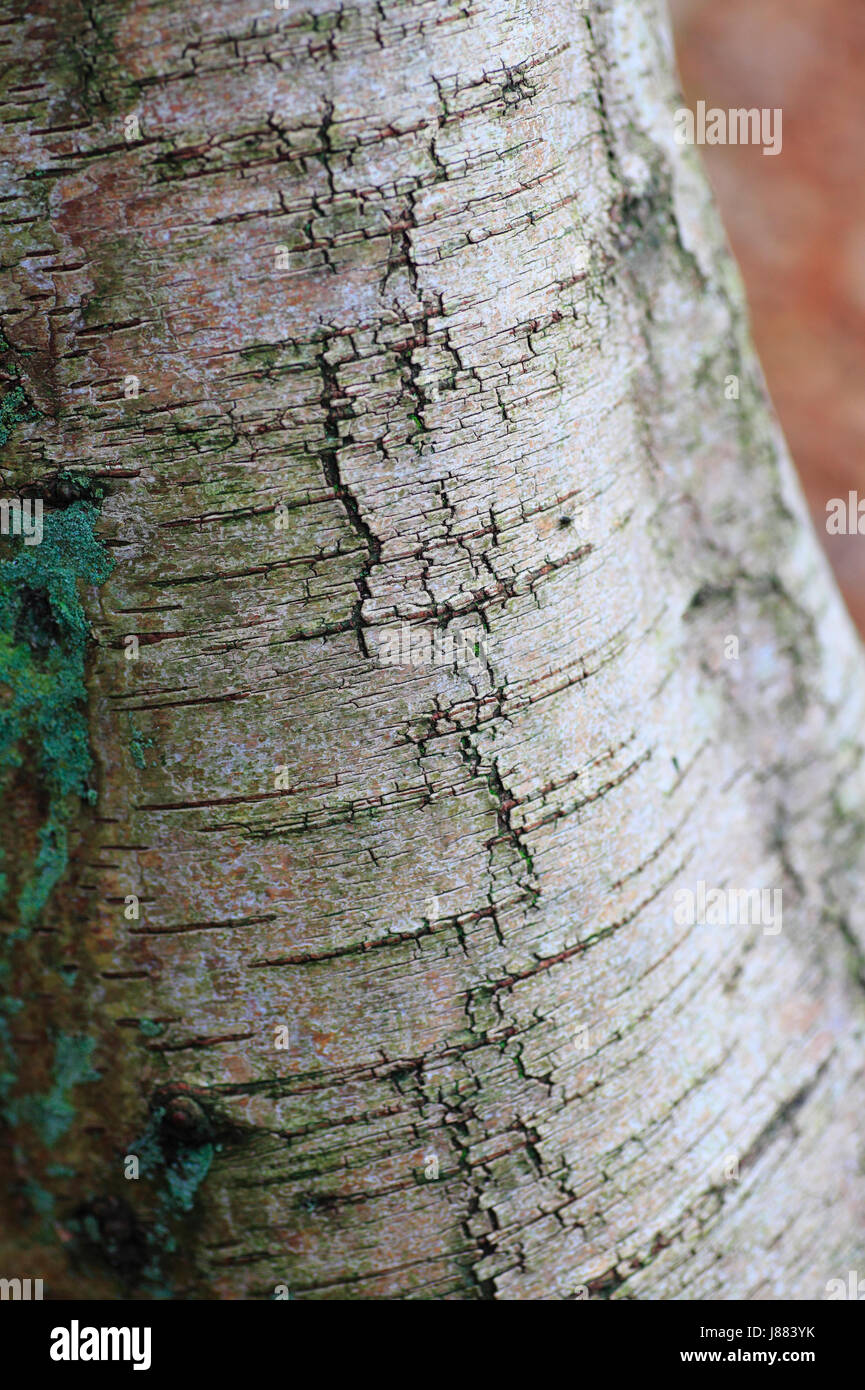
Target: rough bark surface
column 486, row 391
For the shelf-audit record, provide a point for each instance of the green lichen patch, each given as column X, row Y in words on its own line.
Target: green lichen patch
column 140, row 1245
column 178, row 1145
column 66, row 486
column 186, row 1175
column 53, row 1113
column 138, row 744
column 150, row 1027
column 44, row 637
column 16, row 409
column 9, row 1007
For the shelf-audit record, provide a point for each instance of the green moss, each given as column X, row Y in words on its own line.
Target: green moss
column 44, row 635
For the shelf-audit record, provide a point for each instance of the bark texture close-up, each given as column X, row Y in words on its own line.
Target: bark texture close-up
column 333, row 335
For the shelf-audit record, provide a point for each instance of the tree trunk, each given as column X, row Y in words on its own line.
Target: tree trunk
column 371, row 966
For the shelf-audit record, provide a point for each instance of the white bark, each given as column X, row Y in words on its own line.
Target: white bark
column 490, row 388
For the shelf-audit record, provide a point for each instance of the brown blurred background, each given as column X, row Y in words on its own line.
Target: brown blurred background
column 797, row 224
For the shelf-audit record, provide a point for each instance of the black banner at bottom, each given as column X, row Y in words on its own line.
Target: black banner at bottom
column 82, row 1340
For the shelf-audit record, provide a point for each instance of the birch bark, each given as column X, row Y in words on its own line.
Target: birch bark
column 433, row 323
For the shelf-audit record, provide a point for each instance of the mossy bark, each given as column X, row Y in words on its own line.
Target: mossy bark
column 485, row 387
